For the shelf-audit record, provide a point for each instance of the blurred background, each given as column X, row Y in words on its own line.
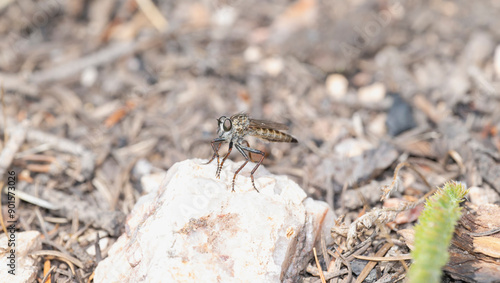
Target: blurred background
column 116, row 89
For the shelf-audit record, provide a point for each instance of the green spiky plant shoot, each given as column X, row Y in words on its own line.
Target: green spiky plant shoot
column 434, row 231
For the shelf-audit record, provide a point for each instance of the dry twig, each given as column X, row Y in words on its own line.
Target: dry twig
column 319, row 267
column 59, row 256
column 395, row 181
column 87, row 157
column 153, row 14
column 105, row 55
column 35, row 200
column 380, row 258
column 47, row 274
column 385, row 248
column 17, row 138
column 379, row 216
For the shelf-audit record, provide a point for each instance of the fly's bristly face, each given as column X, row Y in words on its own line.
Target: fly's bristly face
column 225, row 128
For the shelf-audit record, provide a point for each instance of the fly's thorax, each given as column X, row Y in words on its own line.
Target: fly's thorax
column 240, row 125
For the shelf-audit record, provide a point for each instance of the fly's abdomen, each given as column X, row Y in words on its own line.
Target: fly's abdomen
column 272, row 135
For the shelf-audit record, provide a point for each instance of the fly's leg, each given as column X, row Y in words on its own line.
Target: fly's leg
column 249, row 153
column 256, row 166
column 238, row 147
column 216, row 150
column 223, row 160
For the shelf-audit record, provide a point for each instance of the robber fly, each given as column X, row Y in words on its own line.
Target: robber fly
column 234, row 130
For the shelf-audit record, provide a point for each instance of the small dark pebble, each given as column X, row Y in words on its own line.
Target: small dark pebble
column 358, row 265
column 399, row 117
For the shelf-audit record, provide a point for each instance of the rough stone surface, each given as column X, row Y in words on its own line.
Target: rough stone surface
column 193, row 228
column 25, row 269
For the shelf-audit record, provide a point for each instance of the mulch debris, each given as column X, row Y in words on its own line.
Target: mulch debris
column 96, row 94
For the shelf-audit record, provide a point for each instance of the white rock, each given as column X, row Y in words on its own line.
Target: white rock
column 149, row 183
column 89, row 76
column 194, row 229
column 103, row 245
column 25, row 269
column 372, row 93
column 142, row 168
column 252, row 54
column 225, row 16
column 273, row 66
column 336, row 85
column 352, row 147
column 481, row 196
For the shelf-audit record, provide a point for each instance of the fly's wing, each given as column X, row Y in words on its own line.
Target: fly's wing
column 267, row 125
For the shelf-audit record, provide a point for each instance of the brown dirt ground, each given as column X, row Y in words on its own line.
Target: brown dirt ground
column 113, row 90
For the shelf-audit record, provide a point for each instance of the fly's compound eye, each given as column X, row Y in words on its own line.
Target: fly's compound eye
column 220, row 120
column 227, row 125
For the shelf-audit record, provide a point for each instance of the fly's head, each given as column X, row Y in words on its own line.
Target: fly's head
column 225, row 128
